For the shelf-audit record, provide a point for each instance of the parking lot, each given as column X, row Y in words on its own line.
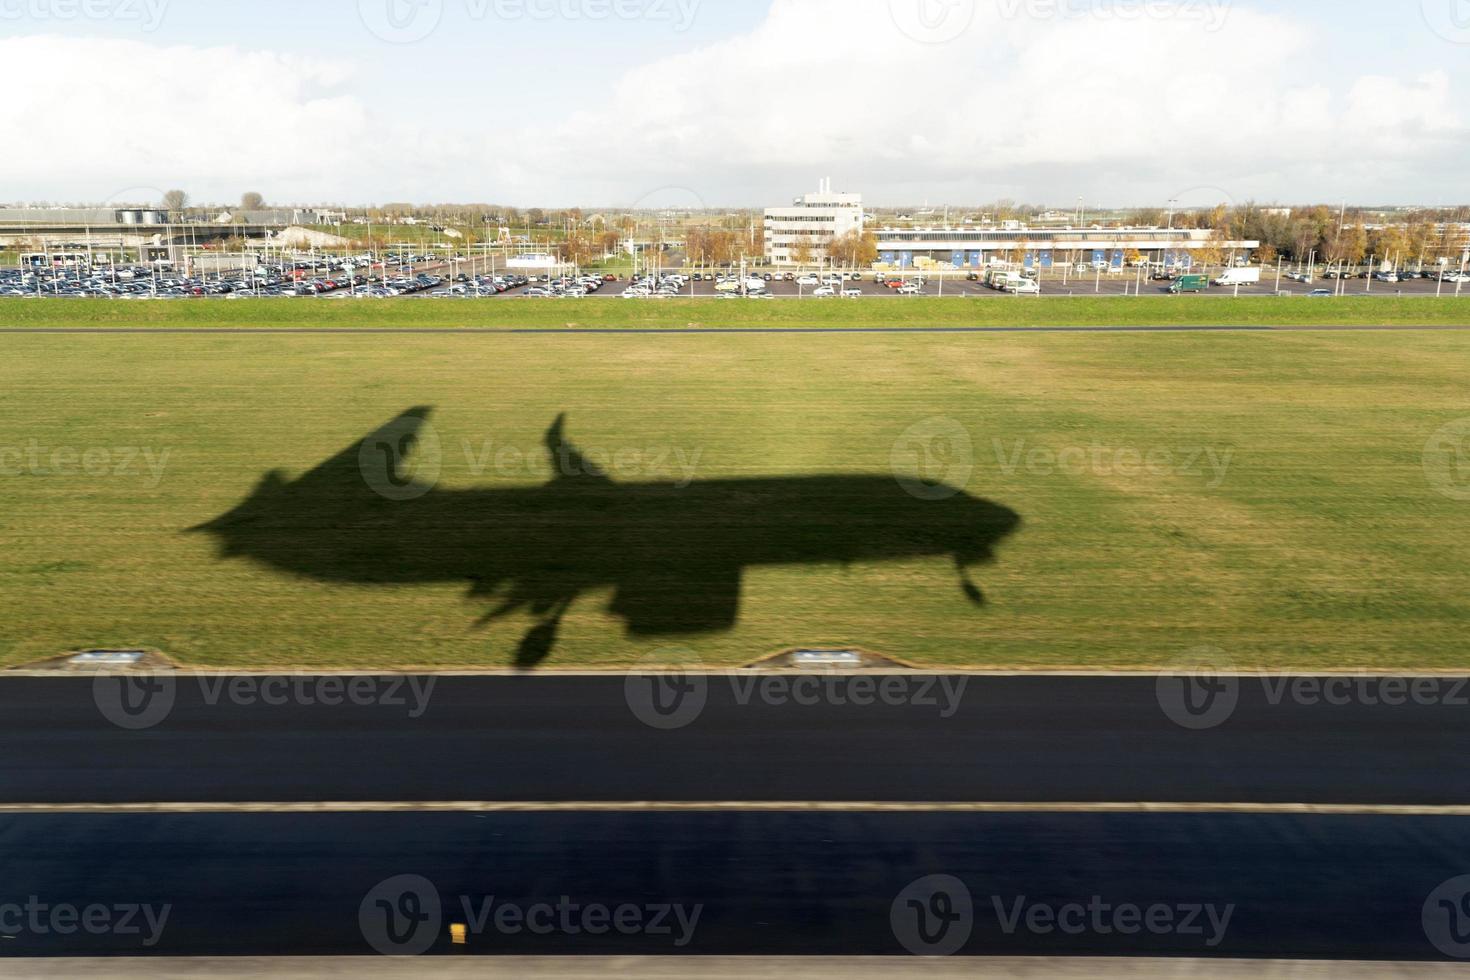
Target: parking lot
column 443, row 281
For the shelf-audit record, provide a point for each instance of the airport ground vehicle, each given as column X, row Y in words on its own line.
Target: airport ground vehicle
column 1239, row 277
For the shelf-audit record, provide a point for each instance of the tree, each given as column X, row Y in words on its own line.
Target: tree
column 801, row 253
column 860, row 249
column 251, row 201
column 175, row 201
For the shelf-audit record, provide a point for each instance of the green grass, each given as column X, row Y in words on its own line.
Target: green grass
column 612, row 312
column 1323, row 545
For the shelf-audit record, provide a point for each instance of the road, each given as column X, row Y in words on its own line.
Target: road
column 926, row 738
column 774, row 880
column 1232, row 886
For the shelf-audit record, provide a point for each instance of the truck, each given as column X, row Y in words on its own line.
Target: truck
column 1190, row 284
column 1240, row 277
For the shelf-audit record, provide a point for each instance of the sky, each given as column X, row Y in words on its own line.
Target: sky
column 736, row 103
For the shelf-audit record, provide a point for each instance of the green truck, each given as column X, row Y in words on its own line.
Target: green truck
column 1190, row 284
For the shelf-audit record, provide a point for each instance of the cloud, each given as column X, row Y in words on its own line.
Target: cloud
column 115, row 114
column 1122, row 101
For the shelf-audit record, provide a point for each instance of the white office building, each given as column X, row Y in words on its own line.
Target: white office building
column 816, row 219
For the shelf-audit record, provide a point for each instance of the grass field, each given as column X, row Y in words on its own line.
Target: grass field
column 1263, row 494
column 612, row 312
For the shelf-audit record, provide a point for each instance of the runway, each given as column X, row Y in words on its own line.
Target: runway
column 1030, row 816
column 925, row 739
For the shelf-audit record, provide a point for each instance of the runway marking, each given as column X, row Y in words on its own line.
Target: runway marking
column 642, row 331
column 471, row 806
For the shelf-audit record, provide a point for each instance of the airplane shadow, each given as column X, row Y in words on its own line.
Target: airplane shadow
column 673, row 555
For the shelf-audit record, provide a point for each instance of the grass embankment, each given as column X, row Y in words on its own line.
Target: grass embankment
column 508, row 312
column 1265, row 495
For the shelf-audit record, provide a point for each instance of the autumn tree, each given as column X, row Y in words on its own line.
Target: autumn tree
column 802, row 253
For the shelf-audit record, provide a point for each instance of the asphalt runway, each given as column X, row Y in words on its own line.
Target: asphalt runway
column 699, row 885
column 903, row 738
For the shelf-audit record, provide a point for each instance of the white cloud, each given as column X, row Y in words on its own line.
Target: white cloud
column 1123, row 101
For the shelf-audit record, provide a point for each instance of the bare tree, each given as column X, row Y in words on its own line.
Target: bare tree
column 251, row 201
column 175, row 201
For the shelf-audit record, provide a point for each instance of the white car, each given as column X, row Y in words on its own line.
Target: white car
column 852, row 294
column 912, row 289
column 808, row 281
column 824, row 291
column 1027, row 287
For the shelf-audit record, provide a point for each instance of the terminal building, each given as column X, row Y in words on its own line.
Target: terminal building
column 75, row 236
column 815, row 219
column 1017, row 244
column 819, row 218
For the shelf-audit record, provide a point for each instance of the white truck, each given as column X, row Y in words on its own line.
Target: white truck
column 1240, row 277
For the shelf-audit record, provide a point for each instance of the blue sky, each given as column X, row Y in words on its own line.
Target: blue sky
column 560, row 102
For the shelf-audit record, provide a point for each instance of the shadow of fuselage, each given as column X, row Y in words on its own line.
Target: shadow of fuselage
column 673, row 554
